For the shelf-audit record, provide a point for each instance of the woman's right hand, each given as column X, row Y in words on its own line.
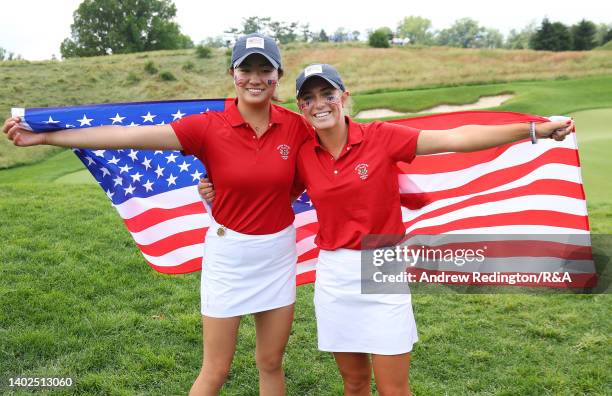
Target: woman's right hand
column 20, row 136
column 206, row 190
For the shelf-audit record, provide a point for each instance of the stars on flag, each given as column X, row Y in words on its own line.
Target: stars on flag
column 159, row 171
column 148, row 185
column 171, row 180
column 99, row 153
column 136, row 177
column 177, row 116
column 148, row 117
column 51, row 121
column 117, row 119
column 133, row 155
column 146, row 163
column 85, row 121
column 129, row 190
column 184, row 167
column 196, row 175
column 125, row 168
column 171, row 158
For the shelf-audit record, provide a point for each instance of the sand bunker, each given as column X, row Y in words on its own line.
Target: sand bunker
column 483, row 103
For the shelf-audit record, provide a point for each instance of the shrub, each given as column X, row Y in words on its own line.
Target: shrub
column 203, row 51
column 189, row 66
column 379, row 39
column 167, row 76
column 133, row 78
column 150, row 68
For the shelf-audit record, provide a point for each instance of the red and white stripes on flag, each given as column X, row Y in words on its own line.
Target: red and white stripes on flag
column 519, row 188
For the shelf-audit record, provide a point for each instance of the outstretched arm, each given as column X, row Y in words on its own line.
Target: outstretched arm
column 479, row 137
column 153, row 137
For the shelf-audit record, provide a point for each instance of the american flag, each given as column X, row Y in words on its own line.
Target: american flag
column 518, row 188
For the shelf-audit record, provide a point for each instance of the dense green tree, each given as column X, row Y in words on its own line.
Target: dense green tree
column 340, row 35
column 306, row 34
column 551, row 37
column 519, row 39
column 379, row 38
column 601, row 30
column 323, row 37
column 284, row 32
column 416, row 29
column 583, row 35
column 254, row 25
column 465, row 33
column 102, row 27
column 491, row 38
column 607, row 37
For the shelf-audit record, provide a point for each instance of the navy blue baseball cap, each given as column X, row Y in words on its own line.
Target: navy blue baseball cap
column 321, row 70
column 256, row 43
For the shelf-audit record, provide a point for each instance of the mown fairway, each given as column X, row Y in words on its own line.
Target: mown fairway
column 78, row 300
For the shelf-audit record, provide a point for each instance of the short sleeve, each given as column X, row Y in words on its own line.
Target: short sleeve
column 400, row 141
column 191, row 132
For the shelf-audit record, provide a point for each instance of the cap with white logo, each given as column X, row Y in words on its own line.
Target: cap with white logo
column 324, row 71
column 256, row 43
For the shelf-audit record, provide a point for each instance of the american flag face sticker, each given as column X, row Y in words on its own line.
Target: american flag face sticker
column 309, row 101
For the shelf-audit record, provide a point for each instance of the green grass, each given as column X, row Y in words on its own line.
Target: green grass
column 84, row 304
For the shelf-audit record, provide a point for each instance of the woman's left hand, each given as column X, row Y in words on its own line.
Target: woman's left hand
column 557, row 130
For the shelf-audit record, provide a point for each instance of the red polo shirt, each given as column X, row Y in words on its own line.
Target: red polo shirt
column 253, row 177
column 358, row 193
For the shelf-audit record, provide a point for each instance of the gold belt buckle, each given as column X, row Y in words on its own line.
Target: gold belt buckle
column 221, row 231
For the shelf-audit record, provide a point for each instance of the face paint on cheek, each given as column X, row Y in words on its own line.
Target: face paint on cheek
column 333, row 100
column 240, row 82
column 305, row 105
column 272, row 82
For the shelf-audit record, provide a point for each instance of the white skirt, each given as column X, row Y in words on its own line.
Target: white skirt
column 244, row 274
column 348, row 321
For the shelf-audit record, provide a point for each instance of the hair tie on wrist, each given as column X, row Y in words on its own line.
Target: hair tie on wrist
column 532, row 133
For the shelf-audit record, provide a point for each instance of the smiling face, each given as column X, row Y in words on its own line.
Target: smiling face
column 255, row 80
column 322, row 104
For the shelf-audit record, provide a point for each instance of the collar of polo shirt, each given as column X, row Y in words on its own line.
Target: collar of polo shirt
column 236, row 119
column 355, row 133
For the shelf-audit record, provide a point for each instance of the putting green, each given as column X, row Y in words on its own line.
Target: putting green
column 79, row 177
column 594, row 134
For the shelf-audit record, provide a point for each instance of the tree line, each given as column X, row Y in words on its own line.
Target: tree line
column 467, row 33
column 103, row 27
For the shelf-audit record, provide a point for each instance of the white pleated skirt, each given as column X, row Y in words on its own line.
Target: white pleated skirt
column 244, row 274
column 348, row 321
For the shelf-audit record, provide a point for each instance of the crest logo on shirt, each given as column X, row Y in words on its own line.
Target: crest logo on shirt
column 362, row 171
column 283, row 149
